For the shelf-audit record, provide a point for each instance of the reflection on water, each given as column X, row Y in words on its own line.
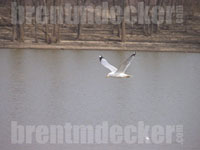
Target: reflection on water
column 55, row 87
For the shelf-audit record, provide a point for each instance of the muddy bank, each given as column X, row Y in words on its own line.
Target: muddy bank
column 103, row 45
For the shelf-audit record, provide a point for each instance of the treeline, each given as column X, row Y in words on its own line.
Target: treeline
column 51, row 33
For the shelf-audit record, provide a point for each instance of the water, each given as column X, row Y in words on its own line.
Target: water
column 47, row 87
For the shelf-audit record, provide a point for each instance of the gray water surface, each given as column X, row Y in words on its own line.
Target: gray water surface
column 47, row 87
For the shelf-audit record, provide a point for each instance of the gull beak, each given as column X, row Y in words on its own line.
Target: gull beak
column 129, row 76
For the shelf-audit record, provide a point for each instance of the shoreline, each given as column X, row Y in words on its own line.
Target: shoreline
column 107, row 45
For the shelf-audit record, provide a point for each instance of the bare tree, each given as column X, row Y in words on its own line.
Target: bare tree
column 123, row 25
column 18, row 28
column 79, row 27
column 46, row 32
column 14, row 27
column 35, row 4
column 79, row 24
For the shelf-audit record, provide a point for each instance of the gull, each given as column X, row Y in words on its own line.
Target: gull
column 117, row 73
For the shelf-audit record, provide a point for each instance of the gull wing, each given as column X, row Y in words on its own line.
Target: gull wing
column 107, row 65
column 126, row 64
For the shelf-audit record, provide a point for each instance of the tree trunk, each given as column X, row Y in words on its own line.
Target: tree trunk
column 14, row 33
column 157, row 27
column 58, row 25
column 13, row 27
column 123, row 26
column 20, row 27
column 46, row 26
column 113, row 28
column 119, row 30
column 79, row 24
column 55, row 23
column 36, row 37
column 147, row 26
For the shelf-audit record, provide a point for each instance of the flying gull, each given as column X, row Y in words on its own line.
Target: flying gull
column 117, row 73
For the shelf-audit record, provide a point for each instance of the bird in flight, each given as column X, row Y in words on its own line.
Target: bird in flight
column 117, row 73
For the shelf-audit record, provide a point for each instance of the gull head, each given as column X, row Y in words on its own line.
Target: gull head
column 111, row 74
column 108, row 75
column 100, row 58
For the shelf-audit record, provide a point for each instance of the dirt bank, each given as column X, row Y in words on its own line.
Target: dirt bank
column 103, row 45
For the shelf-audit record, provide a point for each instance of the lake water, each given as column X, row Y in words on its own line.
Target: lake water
column 52, row 87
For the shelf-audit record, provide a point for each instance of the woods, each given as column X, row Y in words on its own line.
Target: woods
column 54, row 27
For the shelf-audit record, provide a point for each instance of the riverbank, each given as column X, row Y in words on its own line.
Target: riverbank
column 107, row 45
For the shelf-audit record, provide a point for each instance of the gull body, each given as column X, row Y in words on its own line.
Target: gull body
column 117, row 73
